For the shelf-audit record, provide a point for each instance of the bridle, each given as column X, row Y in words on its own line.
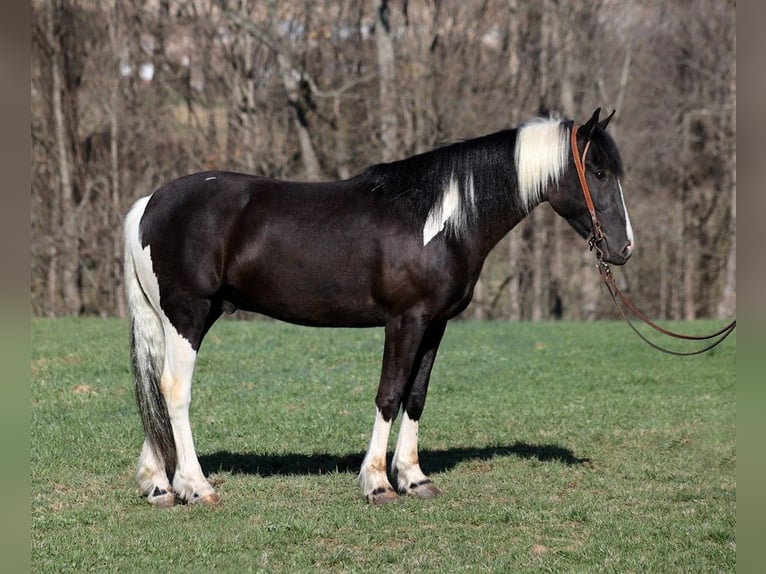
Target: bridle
column 607, row 278
column 597, row 235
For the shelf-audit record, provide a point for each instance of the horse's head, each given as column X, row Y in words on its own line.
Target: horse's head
column 603, row 172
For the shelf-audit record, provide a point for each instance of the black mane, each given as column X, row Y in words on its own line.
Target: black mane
column 414, row 184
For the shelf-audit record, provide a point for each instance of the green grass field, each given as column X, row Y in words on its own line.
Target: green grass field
column 559, row 447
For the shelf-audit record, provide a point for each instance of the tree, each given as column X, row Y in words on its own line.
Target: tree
column 387, row 99
column 58, row 43
column 299, row 89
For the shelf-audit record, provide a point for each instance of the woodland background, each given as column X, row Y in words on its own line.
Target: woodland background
column 126, row 95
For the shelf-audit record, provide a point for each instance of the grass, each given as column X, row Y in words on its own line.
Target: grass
column 560, row 447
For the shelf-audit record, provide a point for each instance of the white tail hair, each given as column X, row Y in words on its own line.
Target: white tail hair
column 147, row 340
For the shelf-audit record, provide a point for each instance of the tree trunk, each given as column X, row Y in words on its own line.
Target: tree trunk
column 689, row 276
column 52, row 282
column 539, row 240
column 68, row 255
column 663, row 270
column 247, row 103
column 688, row 239
column 387, row 80
column 589, row 288
column 728, row 302
column 116, row 40
column 342, row 151
column 308, row 153
column 514, row 284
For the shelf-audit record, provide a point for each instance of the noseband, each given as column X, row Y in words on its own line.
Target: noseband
column 607, row 278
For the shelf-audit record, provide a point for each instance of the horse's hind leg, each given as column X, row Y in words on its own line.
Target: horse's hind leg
column 153, row 479
column 189, row 483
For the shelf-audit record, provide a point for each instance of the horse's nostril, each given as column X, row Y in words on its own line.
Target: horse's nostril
column 628, row 249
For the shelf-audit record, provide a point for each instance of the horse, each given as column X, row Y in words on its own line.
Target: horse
column 399, row 246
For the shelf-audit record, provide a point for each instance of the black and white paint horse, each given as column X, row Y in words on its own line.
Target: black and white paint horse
column 399, row 246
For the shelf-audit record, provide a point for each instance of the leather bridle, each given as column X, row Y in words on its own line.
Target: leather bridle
column 607, row 278
column 597, row 235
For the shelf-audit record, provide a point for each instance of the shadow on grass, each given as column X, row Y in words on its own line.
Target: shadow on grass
column 433, row 461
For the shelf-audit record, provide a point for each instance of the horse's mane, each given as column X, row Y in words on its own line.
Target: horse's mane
column 541, row 154
column 451, row 185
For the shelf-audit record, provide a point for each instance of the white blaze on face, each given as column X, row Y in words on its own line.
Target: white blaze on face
column 628, row 226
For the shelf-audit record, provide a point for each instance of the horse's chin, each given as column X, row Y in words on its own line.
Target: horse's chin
column 616, row 259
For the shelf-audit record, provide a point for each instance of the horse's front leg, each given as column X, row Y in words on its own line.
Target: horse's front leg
column 409, row 477
column 403, row 337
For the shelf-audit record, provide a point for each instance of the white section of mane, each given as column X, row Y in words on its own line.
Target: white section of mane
column 542, row 149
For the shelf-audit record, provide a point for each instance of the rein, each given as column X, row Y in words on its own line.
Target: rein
column 607, row 278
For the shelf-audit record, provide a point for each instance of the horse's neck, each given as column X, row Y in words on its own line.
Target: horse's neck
column 495, row 224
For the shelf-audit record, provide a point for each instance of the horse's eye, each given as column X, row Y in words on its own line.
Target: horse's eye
column 600, row 175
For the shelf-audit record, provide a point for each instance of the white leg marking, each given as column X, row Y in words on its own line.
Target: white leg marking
column 151, row 472
column 406, row 464
column 152, row 479
column 372, row 477
column 189, row 482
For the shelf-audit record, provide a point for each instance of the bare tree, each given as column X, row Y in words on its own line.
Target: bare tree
column 386, row 62
column 65, row 78
column 116, row 40
column 315, row 89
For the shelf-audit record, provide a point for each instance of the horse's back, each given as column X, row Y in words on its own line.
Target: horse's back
column 302, row 252
column 204, row 198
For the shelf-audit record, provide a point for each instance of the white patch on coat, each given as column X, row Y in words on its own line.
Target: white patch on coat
column 449, row 211
column 209, row 178
column 542, row 149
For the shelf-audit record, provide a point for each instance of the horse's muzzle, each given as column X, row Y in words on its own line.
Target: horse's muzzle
column 618, row 258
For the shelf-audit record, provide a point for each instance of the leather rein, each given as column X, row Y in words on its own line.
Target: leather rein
column 607, row 278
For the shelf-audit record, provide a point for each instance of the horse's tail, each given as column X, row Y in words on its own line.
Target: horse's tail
column 147, row 341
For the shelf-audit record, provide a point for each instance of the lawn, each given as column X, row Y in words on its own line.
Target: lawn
column 559, row 447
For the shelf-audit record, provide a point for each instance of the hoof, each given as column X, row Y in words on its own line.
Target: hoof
column 209, row 501
column 424, row 489
column 381, row 496
column 161, row 498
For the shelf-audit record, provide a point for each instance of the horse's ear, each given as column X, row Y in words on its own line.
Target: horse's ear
column 590, row 126
column 605, row 122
